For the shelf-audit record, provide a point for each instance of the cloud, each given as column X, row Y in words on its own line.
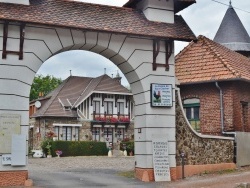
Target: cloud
column 81, row 63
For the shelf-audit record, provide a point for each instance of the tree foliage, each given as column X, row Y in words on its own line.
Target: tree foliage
column 43, row 84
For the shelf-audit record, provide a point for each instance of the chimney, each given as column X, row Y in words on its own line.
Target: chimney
column 118, row 78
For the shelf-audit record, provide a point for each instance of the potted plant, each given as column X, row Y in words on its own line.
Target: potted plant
column 48, row 147
column 58, row 153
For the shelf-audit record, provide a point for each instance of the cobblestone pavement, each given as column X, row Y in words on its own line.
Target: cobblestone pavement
column 103, row 172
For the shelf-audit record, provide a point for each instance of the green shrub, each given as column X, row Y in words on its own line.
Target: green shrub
column 77, row 148
column 44, row 145
column 129, row 146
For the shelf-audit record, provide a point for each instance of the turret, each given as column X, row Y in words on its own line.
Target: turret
column 232, row 33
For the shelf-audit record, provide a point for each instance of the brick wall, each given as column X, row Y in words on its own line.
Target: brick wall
column 241, row 94
column 13, row 178
column 209, row 105
column 233, row 94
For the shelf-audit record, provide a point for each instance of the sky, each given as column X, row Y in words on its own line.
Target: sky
column 203, row 17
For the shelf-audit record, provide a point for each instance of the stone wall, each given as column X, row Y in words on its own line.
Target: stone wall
column 200, row 149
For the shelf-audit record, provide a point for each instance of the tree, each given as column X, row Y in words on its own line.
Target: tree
column 43, row 84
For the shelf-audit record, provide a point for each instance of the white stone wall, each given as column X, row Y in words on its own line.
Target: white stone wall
column 158, row 10
column 133, row 55
column 24, row 2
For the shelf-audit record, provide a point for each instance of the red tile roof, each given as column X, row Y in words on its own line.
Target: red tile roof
column 93, row 17
column 207, row 61
column 73, row 91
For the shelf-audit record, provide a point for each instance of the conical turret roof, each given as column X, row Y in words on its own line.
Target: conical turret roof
column 232, row 33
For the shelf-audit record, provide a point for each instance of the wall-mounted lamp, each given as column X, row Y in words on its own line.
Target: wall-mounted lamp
column 139, row 130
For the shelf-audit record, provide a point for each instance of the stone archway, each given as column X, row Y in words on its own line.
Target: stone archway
column 142, row 59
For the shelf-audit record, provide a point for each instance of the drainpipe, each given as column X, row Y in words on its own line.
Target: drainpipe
column 222, row 112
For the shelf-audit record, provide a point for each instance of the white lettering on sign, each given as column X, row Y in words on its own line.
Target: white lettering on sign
column 6, row 159
column 160, row 158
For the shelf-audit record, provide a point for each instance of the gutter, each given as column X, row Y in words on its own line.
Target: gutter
column 222, row 112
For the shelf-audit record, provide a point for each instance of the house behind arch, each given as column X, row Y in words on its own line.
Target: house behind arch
column 84, row 108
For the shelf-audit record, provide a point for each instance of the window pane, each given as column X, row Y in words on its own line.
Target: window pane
column 96, row 107
column 105, row 107
column 96, row 134
column 76, row 133
column 69, row 134
column 110, row 107
column 64, row 133
column 188, row 113
column 196, row 113
column 56, row 131
column 121, row 107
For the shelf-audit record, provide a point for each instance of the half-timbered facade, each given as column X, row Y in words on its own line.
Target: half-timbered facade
column 82, row 108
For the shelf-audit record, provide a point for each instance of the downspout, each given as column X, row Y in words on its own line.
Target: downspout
column 222, row 112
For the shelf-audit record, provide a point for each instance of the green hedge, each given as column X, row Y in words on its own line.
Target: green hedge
column 76, row 148
column 129, row 146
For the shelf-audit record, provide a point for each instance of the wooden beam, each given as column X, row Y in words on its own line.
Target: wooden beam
column 169, row 50
column 22, row 33
column 5, row 38
column 156, row 50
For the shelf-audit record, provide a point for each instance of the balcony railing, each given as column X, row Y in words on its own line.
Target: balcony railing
column 111, row 118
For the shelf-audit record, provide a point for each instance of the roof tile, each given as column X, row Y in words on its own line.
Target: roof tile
column 76, row 89
column 206, row 60
column 93, row 17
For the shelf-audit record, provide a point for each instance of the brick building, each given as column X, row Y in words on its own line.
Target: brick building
column 214, row 79
column 214, row 85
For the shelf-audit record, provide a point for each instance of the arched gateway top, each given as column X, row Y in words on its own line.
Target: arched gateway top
column 134, row 37
column 92, row 17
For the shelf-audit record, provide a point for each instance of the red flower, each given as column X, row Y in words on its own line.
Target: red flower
column 124, row 119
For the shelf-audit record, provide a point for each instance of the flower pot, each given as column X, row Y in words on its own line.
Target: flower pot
column 49, row 156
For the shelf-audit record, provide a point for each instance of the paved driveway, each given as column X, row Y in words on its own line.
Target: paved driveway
column 83, row 172
column 74, row 172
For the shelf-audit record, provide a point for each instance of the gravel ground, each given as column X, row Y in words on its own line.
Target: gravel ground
column 102, row 172
column 66, row 163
